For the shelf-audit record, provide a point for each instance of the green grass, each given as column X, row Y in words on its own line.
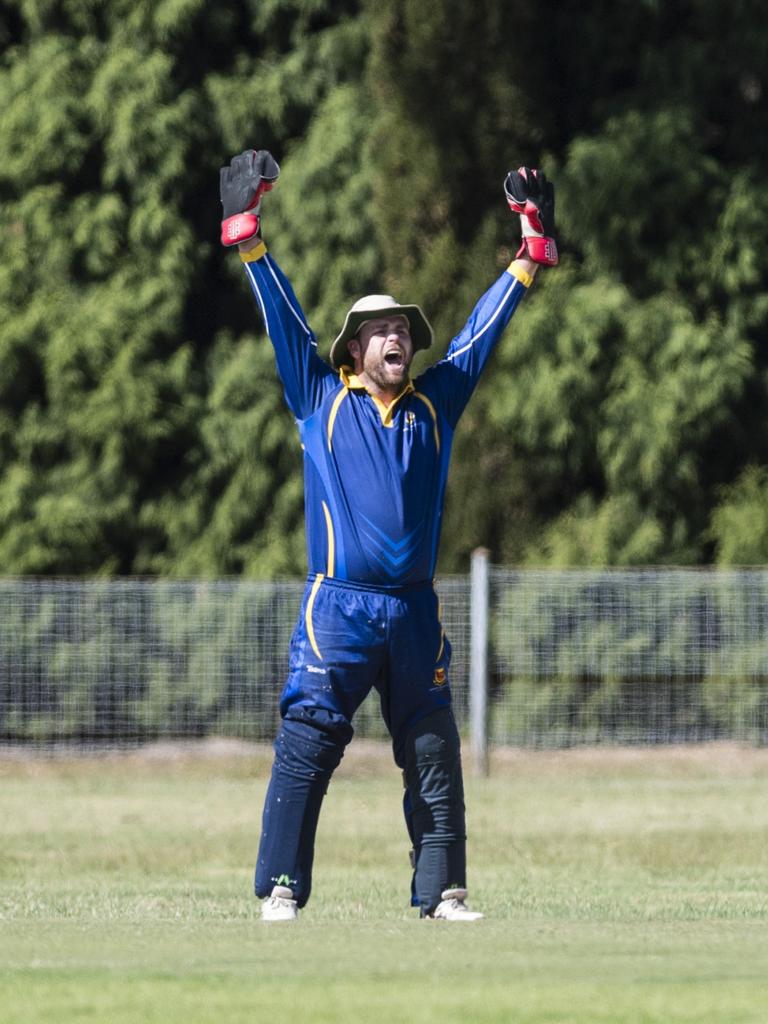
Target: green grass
column 620, row 886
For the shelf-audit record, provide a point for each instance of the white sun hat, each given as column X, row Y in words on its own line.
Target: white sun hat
column 369, row 308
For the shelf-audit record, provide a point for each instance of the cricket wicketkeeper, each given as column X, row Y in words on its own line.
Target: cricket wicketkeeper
column 376, row 451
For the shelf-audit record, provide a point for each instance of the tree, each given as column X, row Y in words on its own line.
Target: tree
column 127, row 336
column 632, row 376
column 141, row 425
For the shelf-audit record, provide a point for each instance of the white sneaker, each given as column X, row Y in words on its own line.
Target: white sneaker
column 453, row 908
column 280, row 906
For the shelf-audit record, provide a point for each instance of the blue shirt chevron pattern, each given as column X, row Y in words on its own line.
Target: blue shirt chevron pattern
column 374, row 474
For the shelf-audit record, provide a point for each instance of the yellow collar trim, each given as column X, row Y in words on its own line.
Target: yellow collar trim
column 353, row 383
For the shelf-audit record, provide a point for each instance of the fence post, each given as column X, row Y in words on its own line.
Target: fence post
column 478, row 665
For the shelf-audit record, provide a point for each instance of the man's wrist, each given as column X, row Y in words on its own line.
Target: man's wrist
column 525, row 265
column 249, row 243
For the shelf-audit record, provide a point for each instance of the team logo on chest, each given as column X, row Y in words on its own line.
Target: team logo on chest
column 410, row 420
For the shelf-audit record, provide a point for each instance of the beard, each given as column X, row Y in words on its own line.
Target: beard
column 388, row 375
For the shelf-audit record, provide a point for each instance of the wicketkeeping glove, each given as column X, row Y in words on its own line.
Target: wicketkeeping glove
column 530, row 194
column 241, row 186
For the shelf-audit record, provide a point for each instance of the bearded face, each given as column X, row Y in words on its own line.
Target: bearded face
column 383, row 351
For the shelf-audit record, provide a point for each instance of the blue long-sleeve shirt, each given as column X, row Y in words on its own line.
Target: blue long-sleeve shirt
column 375, row 474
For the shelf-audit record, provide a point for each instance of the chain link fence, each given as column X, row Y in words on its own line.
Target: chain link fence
column 628, row 656
column 115, row 663
column 652, row 656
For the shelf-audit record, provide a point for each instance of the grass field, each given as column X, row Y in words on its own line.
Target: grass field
column 620, row 886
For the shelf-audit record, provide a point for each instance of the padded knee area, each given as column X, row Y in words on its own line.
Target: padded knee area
column 432, row 749
column 433, row 739
column 311, row 744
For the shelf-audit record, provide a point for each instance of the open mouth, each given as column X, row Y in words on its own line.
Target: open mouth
column 394, row 358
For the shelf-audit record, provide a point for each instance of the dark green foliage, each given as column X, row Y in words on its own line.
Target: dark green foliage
column 630, row 388
column 142, row 430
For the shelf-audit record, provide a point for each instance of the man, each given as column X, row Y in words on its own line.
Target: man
column 376, row 452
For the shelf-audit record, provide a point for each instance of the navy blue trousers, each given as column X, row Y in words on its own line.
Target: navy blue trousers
column 348, row 640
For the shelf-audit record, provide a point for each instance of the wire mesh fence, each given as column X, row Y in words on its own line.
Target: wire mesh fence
column 124, row 662
column 87, row 664
column 640, row 656
column 654, row 656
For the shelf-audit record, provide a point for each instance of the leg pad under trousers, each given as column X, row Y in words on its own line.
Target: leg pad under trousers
column 308, row 749
column 434, row 808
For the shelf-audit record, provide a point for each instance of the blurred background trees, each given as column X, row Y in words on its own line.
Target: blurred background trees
column 623, row 419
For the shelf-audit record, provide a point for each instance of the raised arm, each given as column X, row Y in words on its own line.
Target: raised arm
column 452, row 380
column 305, row 376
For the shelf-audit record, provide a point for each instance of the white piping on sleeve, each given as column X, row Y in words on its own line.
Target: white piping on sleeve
column 298, row 316
column 485, row 327
column 257, row 293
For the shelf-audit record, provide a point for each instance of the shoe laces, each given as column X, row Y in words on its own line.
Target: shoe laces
column 456, row 904
column 281, row 897
column 280, row 901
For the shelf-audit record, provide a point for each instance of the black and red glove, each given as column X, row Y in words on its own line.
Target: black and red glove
column 241, row 186
column 530, row 194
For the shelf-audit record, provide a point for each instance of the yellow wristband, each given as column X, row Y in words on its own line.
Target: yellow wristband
column 522, row 275
column 253, row 254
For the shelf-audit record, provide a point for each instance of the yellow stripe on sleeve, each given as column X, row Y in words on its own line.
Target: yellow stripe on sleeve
column 332, row 414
